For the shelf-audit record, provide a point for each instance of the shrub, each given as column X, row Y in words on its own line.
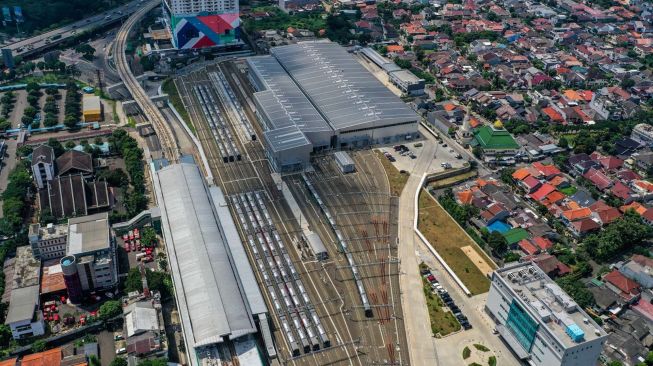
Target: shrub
column 466, row 353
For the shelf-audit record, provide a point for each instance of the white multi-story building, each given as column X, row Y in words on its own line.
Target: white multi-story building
column 539, row 321
column 194, row 7
column 24, row 317
column 43, row 165
column 643, row 133
column 48, row 242
column 94, row 253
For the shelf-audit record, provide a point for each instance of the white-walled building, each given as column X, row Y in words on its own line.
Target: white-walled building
column 43, row 163
column 24, row 317
column 539, row 321
column 48, row 242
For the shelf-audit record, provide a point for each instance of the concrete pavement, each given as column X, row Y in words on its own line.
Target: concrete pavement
column 424, row 348
column 413, row 302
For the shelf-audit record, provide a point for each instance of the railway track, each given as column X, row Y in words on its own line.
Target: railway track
column 169, row 145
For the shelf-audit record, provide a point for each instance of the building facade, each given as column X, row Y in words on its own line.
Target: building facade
column 93, row 253
column 643, row 133
column 43, row 165
column 539, row 321
column 48, row 242
column 203, row 23
column 23, row 316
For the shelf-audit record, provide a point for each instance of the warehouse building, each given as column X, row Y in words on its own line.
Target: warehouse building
column 91, row 108
column 217, row 294
column 539, row 321
column 23, row 316
column 405, row 80
column 318, row 90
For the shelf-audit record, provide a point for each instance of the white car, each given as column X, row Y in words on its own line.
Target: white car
column 120, row 351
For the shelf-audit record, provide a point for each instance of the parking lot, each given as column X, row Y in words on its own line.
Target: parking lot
column 443, row 294
column 404, row 156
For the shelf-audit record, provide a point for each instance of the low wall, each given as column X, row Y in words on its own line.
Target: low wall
column 444, row 264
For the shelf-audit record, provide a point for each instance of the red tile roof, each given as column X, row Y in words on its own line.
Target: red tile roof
column 623, row 283
column 543, row 243
column 527, row 247
column 531, row 182
column 648, row 214
column 553, row 114
column 546, row 170
column 612, row 162
column 577, row 214
column 521, row 174
column 46, row 358
column 621, row 190
column 585, row 225
column 600, row 180
column 465, row 197
column 554, row 197
column 542, row 192
column 609, row 215
column 633, row 206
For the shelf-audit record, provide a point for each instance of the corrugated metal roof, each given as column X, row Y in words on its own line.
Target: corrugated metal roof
column 243, row 267
column 88, row 233
column 22, row 303
column 286, row 138
column 212, row 305
column 283, row 102
column 344, row 92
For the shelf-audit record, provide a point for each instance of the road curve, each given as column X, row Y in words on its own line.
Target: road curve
column 150, row 111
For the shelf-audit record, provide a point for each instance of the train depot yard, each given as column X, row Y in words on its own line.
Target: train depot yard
column 334, row 295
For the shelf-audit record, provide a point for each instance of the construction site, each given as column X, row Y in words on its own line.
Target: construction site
column 322, row 243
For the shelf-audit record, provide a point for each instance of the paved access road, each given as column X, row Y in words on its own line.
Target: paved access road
column 425, row 349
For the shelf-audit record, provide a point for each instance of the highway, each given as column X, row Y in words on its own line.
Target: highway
column 150, row 111
column 37, row 43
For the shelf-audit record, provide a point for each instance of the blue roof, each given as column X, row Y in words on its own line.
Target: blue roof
column 499, row 226
column 575, row 333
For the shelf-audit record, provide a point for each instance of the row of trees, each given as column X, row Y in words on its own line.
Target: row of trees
column 156, row 281
column 72, row 105
column 460, row 213
column 623, row 234
column 15, row 199
column 30, row 113
column 51, row 108
column 125, row 145
column 7, row 103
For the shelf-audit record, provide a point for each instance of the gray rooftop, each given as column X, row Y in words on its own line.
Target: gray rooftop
column 286, row 138
column 22, row 304
column 140, row 317
column 284, row 103
column 87, row 234
column 211, row 304
column 344, row 92
column 548, row 303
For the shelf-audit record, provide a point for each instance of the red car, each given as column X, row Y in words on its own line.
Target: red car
column 431, row 278
column 133, row 247
column 125, row 237
column 127, row 247
column 131, row 235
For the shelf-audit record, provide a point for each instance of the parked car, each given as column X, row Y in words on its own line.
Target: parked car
column 431, row 278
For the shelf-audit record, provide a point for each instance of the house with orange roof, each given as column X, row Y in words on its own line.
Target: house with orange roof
column 521, row 173
column 542, row 243
column 577, row 214
column 559, row 182
column 583, row 227
column 50, row 357
column 465, row 197
column 530, row 184
column 553, row 197
column 546, row 171
column 542, row 192
column 528, row 247
column 9, row 362
column 635, row 206
column 393, row 48
column 553, row 115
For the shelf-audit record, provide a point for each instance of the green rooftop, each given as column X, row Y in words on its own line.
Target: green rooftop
column 495, row 139
column 514, row 236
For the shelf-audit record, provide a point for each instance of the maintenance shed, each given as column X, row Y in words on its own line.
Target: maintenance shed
column 92, row 108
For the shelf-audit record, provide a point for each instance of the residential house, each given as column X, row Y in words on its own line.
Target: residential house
column 623, row 286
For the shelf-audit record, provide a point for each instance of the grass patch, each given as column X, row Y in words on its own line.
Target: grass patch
column 170, row 88
column 466, row 353
column 397, row 180
column 447, row 238
column 131, row 122
column 442, row 322
column 569, row 190
column 492, row 361
column 474, row 364
column 481, row 347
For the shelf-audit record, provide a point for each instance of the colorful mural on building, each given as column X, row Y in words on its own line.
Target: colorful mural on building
column 206, row 30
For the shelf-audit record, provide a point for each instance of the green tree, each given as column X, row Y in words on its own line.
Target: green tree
column 70, row 144
column 24, row 151
column 38, row 346
column 497, row 242
column 56, row 146
column 563, row 143
column 155, row 362
column 110, row 309
column 5, row 336
column 133, row 281
column 119, row 362
column 115, row 178
column 86, row 50
column 93, row 361
column 148, row 237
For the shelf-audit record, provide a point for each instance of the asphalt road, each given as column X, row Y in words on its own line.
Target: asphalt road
column 33, row 44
